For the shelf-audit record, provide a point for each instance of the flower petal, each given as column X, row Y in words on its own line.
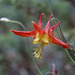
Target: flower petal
column 45, row 38
column 53, row 27
column 40, row 21
column 59, row 42
column 48, row 24
column 36, row 40
column 37, row 28
column 24, row 33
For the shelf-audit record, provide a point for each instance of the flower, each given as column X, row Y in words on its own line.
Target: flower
column 44, row 36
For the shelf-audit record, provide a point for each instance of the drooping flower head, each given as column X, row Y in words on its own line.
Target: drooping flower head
column 44, row 36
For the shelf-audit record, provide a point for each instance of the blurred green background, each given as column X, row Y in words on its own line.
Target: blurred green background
column 16, row 51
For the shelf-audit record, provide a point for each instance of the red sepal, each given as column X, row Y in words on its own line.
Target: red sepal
column 40, row 21
column 59, row 42
column 24, row 33
column 48, row 24
column 37, row 28
column 53, row 27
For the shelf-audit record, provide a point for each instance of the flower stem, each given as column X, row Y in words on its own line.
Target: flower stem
column 68, row 50
column 70, row 56
column 51, row 12
column 18, row 23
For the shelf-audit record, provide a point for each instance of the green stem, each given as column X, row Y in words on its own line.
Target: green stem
column 48, row 73
column 49, row 7
column 37, row 67
column 67, row 51
column 18, row 23
column 69, row 56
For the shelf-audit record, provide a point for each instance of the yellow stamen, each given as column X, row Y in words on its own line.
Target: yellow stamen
column 38, row 52
column 50, row 40
column 44, row 39
column 45, row 44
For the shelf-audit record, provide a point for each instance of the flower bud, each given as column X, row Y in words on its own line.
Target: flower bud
column 4, row 19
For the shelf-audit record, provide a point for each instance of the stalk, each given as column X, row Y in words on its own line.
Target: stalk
column 69, row 52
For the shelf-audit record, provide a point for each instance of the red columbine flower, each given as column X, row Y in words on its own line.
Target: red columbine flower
column 43, row 36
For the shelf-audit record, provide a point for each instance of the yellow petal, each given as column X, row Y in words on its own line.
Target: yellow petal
column 45, row 38
column 36, row 40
